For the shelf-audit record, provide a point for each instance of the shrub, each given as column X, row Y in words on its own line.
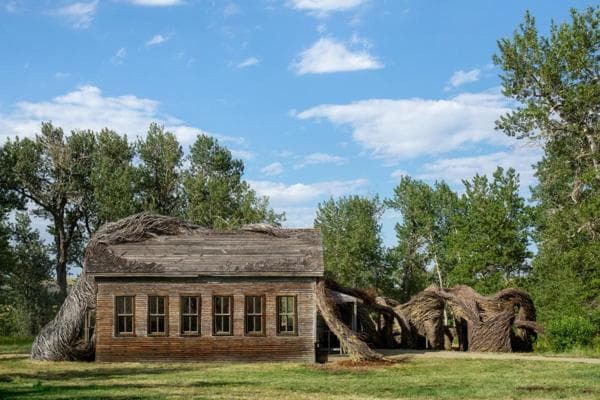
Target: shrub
column 567, row 332
column 11, row 321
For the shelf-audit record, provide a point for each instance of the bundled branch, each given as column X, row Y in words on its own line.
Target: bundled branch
column 61, row 338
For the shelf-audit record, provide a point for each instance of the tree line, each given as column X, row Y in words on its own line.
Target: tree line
column 486, row 235
column 78, row 182
column 489, row 236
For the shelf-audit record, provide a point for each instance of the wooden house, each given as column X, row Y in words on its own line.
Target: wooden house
column 208, row 295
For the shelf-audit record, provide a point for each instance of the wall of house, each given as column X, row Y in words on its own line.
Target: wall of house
column 205, row 346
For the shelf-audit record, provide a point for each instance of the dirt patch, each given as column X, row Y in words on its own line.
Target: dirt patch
column 359, row 366
column 539, row 388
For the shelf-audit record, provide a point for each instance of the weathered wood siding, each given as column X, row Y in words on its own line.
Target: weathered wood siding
column 175, row 346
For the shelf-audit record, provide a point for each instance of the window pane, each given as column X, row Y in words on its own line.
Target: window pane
column 161, row 305
column 282, row 305
column 290, row 324
column 161, row 324
column 249, row 306
column 290, row 304
column 258, row 305
column 194, row 324
column 258, row 324
column 225, row 324
column 250, row 322
column 218, row 306
column 128, row 305
column 193, row 305
column 129, row 324
column 186, row 324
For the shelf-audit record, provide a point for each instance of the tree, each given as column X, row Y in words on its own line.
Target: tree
column 52, row 172
column 555, row 79
column 113, row 178
column 352, row 247
column 427, row 214
column 159, row 171
column 215, row 194
column 489, row 238
column 30, row 273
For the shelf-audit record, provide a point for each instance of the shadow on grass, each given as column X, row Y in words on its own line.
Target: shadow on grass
column 116, row 390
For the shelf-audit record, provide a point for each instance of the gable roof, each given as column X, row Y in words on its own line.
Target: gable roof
column 258, row 250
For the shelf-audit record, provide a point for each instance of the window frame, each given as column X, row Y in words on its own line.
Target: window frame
column 278, row 315
column 117, row 315
column 262, row 315
column 214, row 315
column 182, row 315
column 165, row 315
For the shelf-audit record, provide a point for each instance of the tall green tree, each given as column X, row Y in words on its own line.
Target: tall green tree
column 216, row 196
column 51, row 172
column 352, row 247
column 555, row 80
column 27, row 282
column 161, row 157
column 113, row 178
column 427, row 213
column 489, row 239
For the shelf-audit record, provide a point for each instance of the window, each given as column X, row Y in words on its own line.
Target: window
column 255, row 315
column 222, row 310
column 125, row 308
column 286, row 315
column 190, row 315
column 157, row 312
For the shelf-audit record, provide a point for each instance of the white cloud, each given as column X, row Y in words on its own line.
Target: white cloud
column 272, row 169
column 407, row 128
column 156, row 3
column 243, row 154
column 281, row 194
column 119, row 56
column 328, row 55
column 455, row 169
column 248, row 62
column 322, row 8
column 320, row 158
column 80, row 15
column 87, row 108
column 461, row 77
column 156, row 40
column 398, row 174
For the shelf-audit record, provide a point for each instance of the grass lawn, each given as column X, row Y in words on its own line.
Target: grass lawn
column 14, row 345
column 416, row 378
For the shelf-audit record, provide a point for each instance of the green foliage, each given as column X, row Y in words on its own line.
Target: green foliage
column 489, row 233
column 555, row 80
column 567, row 332
column 52, row 172
column 215, row 194
column 12, row 322
column 31, row 273
column 427, row 213
column 113, row 178
column 161, row 157
column 352, row 247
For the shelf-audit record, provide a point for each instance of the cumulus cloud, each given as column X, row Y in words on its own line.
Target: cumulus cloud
column 461, row 77
column 455, row 169
column 320, row 158
column 328, row 55
column 399, row 129
column 322, row 8
column 398, row 174
column 248, row 62
column 282, row 194
column 272, row 169
column 80, row 15
column 156, row 40
column 87, row 108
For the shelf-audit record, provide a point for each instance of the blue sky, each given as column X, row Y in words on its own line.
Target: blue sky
column 319, row 97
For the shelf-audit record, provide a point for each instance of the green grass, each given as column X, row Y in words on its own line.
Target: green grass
column 21, row 378
column 421, row 379
column 14, row 345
